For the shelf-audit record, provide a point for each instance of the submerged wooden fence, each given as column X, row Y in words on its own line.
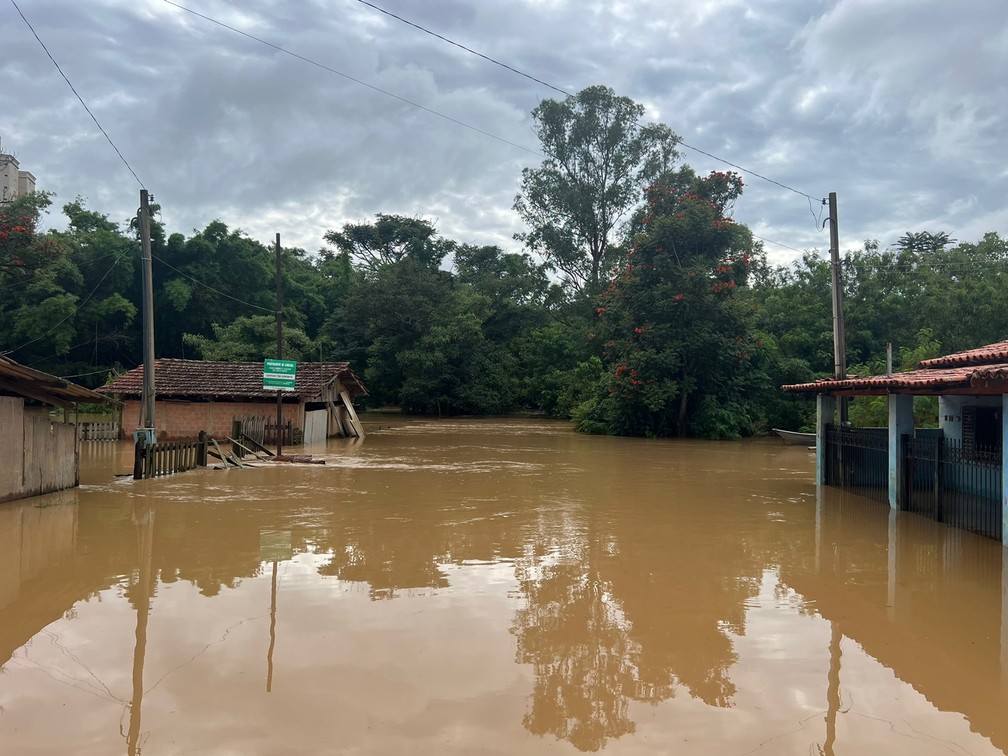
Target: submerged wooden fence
column 98, row 431
column 263, row 430
column 153, row 460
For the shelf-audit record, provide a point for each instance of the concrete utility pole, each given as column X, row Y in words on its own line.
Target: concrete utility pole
column 839, row 337
column 279, row 329
column 147, row 403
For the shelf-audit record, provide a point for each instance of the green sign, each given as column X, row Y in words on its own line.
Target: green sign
column 278, row 375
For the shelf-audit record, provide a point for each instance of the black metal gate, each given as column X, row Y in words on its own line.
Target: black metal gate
column 857, row 459
column 951, row 483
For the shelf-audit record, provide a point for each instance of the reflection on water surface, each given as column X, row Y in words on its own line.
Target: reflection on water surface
column 498, row 587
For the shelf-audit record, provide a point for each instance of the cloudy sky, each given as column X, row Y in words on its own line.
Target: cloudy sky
column 898, row 106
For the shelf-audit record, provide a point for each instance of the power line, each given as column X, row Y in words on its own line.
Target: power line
column 72, row 89
column 331, row 70
column 81, row 375
column 778, row 244
column 467, row 49
column 750, row 172
column 76, row 309
column 571, row 94
column 211, row 288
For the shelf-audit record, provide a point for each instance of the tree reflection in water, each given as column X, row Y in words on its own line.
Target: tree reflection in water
column 603, row 628
column 579, row 644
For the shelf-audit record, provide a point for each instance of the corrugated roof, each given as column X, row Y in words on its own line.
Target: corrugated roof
column 178, row 379
column 21, row 380
column 982, row 369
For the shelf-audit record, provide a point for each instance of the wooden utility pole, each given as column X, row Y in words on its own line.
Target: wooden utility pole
column 147, row 403
column 279, row 329
column 839, row 337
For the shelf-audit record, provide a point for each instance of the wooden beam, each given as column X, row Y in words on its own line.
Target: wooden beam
column 354, row 421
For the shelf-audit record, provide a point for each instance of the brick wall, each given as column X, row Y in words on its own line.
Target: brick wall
column 182, row 420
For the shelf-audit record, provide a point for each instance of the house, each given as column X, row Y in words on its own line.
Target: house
column 955, row 473
column 195, row 395
column 39, row 454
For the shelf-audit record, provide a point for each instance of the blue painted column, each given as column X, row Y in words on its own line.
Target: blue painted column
column 900, row 421
column 825, row 409
column 892, row 565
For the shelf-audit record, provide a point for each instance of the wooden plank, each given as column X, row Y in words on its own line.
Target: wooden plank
column 241, row 446
column 354, row 421
column 259, row 447
column 334, row 413
column 225, row 458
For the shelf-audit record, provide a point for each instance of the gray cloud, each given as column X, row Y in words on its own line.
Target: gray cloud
column 897, row 106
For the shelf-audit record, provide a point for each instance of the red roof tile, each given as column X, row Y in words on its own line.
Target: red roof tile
column 984, row 355
column 177, row 379
column 981, row 368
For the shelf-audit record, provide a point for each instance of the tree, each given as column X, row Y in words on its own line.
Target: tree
column 677, row 337
column 251, row 338
column 598, row 159
column 213, row 277
column 390, row 239
column 22, row 251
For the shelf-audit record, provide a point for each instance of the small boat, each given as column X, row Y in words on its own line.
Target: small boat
column 796, row 437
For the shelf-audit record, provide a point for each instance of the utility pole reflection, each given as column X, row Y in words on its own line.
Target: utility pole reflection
column 143, row 518
column 269, row 654
column 832, row 689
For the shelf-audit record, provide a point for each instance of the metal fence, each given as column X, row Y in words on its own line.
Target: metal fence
column 952, row 483
column 857, row 459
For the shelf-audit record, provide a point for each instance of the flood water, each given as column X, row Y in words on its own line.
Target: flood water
column 498, row 587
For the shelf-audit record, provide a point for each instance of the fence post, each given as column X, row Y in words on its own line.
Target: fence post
column 906, row 471
column 201, row 454
column 150, row 461
column 138, row 458
column 939, row 477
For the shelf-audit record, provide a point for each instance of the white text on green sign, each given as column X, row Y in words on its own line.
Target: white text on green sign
column 279, row 375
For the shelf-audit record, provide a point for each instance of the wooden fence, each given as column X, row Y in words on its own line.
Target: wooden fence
column 263, row 430
column 98, row 431
column 153, row 460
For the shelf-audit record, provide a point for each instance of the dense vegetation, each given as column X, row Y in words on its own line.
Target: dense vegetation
column 636, row 306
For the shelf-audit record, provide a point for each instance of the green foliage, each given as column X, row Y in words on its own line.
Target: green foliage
column 24, row 253
column 251, row 339
column 389, row 240
column 669, row 323
column 676, row 335
column 873, row 411
column 598, row 158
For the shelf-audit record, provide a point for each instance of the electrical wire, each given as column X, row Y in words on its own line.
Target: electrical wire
column 72, row 89
column 76, row 309
column 467, row 49
column 82, row 375
column 80, row 264
column 571, row 94
column 372, row 87
column 778, row 244
column 211, row 288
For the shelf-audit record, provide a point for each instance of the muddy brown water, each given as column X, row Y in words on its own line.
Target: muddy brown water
column 499, row 587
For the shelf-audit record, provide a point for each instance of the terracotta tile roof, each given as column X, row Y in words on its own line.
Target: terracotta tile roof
column 984, row 355
column 177, row 379
column 931, row 380
column 984, row 369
